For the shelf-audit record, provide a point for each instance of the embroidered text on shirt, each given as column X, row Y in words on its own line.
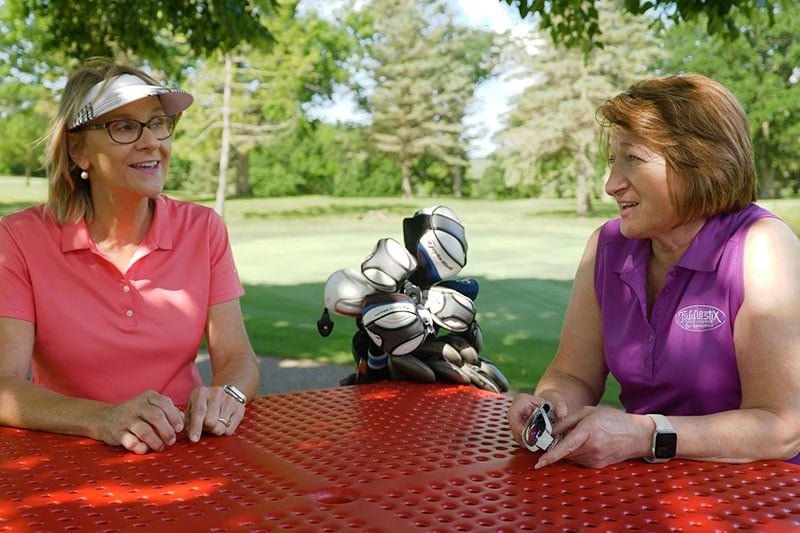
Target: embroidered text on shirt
column 700, row 317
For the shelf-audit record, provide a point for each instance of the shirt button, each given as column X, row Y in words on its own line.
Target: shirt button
column 650, row 338
column 126, row 288
column 129, row 313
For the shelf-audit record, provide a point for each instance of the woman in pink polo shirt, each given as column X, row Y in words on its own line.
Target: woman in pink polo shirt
column 689, row 299
column 107, row 291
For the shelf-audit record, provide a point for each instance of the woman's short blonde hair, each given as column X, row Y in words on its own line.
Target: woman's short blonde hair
column 69, row 197
column 701, row 130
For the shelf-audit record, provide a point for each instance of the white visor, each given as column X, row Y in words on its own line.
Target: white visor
column 123, row 90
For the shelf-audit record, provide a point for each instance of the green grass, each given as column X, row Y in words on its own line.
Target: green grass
column 522, row 252
column 17, row 193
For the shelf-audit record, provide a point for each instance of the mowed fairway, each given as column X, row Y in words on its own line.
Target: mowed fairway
column 522, row 252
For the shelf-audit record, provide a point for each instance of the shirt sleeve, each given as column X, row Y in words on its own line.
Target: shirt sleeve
column 16, row 293
column 225, row 283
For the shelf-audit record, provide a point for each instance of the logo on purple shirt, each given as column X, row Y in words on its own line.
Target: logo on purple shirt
column 700, row 317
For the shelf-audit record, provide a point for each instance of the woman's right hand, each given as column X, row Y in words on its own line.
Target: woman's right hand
column 147, row 422
column 522, row 405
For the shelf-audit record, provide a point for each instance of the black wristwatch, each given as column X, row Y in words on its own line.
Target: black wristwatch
column 665, row 441
column 237, row 395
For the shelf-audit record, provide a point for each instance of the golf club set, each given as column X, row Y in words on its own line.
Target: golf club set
column 415, row 321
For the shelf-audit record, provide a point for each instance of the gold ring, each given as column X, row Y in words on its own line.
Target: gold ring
column 226, row 421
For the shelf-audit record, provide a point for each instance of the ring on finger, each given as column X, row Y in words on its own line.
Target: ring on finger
column 226, row 421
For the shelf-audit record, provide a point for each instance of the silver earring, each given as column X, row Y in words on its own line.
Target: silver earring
column 84, row 175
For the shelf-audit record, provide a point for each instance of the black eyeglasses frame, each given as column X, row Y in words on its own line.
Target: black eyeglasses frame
column 142, row 125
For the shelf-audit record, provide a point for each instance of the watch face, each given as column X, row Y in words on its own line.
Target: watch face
column 666, row 445
column 235, row 393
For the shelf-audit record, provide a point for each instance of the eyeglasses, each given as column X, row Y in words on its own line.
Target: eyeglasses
column 127, row 130
column 536, row 435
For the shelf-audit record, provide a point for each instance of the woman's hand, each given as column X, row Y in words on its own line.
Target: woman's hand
column 211, row 409
column 599, row 436
column 523, row 405
column 146, row 422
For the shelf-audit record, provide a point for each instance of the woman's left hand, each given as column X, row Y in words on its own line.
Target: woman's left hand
column 599, row 436
column 212, row 410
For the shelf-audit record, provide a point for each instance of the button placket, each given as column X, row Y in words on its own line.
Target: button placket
column 660, row 320
column 128, row 306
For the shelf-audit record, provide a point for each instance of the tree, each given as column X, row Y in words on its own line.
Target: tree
column 249, row 99
column 24, row 110
column 42, row 41
column 422, row 75
column 574, row 23
column 763, row 71
column 26, row 101
column 552, row 136
column 152, row 30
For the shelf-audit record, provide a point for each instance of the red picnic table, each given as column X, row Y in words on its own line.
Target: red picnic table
column 390, row 456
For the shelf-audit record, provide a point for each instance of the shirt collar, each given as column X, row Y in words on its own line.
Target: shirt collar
column 702, row 255
column 75, row 236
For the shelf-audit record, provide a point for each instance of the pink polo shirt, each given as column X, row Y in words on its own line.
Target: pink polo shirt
column 108, row 335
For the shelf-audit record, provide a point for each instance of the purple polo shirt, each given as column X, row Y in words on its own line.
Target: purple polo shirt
column 681, row 361
column 106, row 334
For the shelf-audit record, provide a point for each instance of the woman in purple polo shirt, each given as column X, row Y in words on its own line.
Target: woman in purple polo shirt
column 689, row 299
column 108, row 290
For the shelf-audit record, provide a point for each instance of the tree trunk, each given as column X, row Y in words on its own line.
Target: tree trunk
column 457, row 172
column 583, row 193
column 405, row 167
column 224, row 152
column 243, row 188
column 766, row 178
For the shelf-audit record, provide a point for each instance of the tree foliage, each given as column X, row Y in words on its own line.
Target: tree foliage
column 414, row 72
column 320, row 158
column 551, row 138
column 26, row 101
column 422, row 72
column 576, row 23
column 152, row 29
column 267, row 95
column 763, row 71
column 25, row 111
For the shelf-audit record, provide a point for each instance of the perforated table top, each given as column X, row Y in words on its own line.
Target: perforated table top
column 384, row 457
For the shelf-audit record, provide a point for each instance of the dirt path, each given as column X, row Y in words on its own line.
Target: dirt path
column 286, row 375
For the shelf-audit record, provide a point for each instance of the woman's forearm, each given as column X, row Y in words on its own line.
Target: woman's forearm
column 26, row 405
